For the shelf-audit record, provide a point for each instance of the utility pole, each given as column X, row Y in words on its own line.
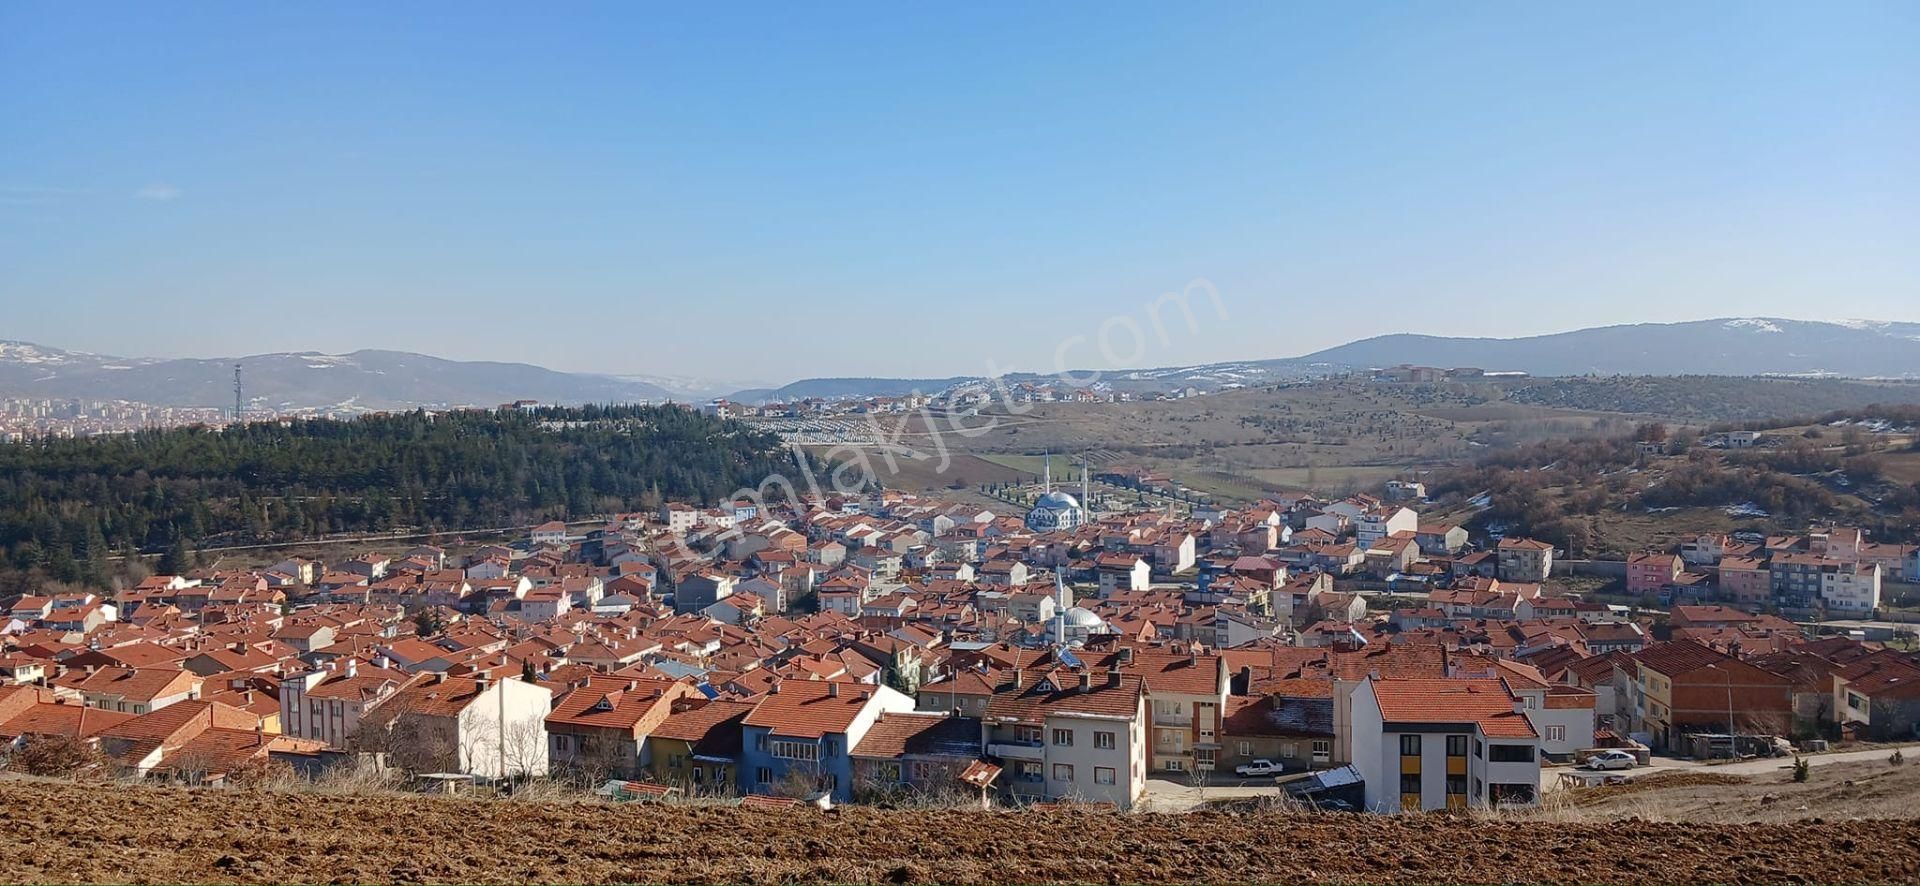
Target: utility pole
column 239, row 400
column 500, row 688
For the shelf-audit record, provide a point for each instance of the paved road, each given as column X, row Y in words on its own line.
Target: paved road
column 1763, row 766
column 1549, row 778
column 1180, row 795
column 1170, row 795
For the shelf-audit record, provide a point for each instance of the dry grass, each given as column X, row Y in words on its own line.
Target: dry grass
column 1836, row 792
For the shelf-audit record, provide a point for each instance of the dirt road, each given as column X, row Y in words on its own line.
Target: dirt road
column 95, row 834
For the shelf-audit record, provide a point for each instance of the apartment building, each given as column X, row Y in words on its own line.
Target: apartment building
column 801, row 735
column 601, row 726
column 326, row 704
column 475, row 725
column 1443, row 744
column 1850, row 588
column 1683, row 687
column 1186, row 700
column 1069, row 733
column 1525, row 560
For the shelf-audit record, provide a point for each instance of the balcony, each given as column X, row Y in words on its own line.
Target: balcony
column 1017, row 750
column 1161, row 718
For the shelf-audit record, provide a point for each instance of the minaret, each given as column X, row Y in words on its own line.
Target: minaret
column 1086, row 486
column 1046, row 474
column 1060, row 604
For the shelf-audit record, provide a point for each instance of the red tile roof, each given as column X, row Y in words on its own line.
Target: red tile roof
column 1486, row 702
column 810, row 709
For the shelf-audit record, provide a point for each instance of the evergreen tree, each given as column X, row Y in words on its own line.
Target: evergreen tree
column 178, row 559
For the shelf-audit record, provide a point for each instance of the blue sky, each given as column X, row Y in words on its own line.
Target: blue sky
column 772, row 191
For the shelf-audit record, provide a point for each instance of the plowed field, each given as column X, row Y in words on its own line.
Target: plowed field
column 95, row 833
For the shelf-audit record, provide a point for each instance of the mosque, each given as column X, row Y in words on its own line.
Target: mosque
column 1058, row 510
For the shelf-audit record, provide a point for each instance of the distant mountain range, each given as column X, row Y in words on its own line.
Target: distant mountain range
column 377, row 380
column 372, row 380
column 1728, row 346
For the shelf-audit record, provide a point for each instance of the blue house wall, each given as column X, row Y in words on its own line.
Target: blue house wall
column 756, row 753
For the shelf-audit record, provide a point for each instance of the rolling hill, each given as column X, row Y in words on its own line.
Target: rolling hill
column 373, row 380
column 1749, row 346
column 1727, row 346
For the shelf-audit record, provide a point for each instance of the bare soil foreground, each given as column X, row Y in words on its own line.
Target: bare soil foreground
column 96, row 833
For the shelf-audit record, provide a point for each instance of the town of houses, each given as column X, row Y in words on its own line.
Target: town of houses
column 844, row 648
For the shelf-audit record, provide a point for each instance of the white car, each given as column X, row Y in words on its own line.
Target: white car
column 1611, row 760
column 1257, row 768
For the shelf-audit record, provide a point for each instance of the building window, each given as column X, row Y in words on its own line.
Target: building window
column 1203, row 757
column 1456, row 745
column 796, row 750
column 1456, row 785
column 1322, row 749
column 1409, row 745
column 1063, row 738
column 1103, row 741
column 1410, row 784
column 1103, row 775
column 696, row 775
column 763, row 776
column 1246, row 749
column 1028, row 734
column 1063, row 772
column 1556, row 733
column 1176, row 766
column 1510, row 753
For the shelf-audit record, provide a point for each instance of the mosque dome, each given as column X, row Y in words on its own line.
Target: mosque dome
column 1058, row 501
column 1079, row 617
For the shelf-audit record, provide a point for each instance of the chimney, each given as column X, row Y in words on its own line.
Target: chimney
column 833, row 690
column 1019, row 678
column 382, row 662
column 353, row 666
column 774, row 689
column 1126, row 655
column 481, row 680
column 1113, row 679
column 1086, row 680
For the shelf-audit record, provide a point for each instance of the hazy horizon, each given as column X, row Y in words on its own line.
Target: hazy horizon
column 775, row 193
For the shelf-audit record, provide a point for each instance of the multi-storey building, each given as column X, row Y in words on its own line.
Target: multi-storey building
column 1443, row 744
column 1069, row 733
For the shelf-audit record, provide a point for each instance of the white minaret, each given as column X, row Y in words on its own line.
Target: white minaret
column 1046, row 474
column 1060, row 604
column 1086, row 487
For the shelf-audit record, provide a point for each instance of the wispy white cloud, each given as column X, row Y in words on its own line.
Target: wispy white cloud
column 159, row 192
